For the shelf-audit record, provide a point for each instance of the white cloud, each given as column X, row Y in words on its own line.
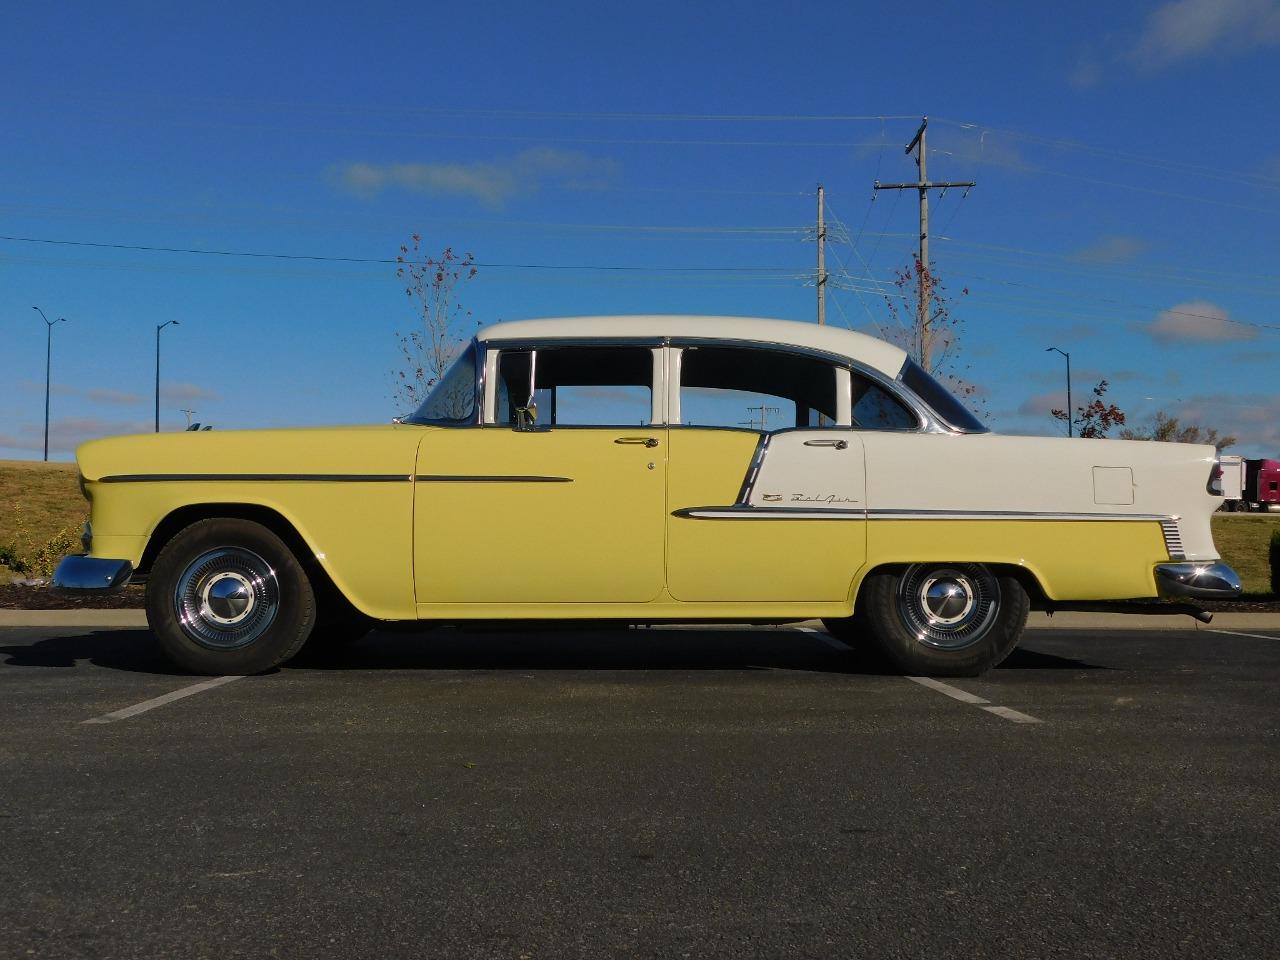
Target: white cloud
column 186, row 393
column 67, row 433
column 1198, row 321
column 1111, row 249
column 113, row 396
column 1042, row 403
column 492, row 182
column 1186, row 29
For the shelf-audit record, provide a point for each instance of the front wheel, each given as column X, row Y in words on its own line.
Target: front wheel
column 227, row 596
column 943, row 619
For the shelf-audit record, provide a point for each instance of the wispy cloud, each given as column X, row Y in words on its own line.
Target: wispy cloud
column 67, row 433
column 1187, row 29
column 1198, row 321
column 1041, row 403
column 114, row 396
column 187, row 393
column 492, row 182
column 1111, row 249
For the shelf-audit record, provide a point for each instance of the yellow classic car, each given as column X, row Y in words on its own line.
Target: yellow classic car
column 647, row 469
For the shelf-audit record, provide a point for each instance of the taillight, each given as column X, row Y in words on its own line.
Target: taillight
column 1215, row 479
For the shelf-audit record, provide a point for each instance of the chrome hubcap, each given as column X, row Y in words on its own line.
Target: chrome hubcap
column 226, row 598
column 948, row 607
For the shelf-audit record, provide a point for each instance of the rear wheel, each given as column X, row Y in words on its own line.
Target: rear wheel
column 228, row 596
column 943, row 619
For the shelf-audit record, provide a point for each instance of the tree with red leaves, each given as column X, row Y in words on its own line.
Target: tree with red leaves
column 430, row 349
column 938, row 337
column 1096, row 417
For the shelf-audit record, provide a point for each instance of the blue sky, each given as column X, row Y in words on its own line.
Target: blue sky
column 1126, row 208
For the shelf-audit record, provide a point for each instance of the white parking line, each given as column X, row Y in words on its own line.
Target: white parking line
column 954, row 693
column 828, row 639
column 1256, row 636
column 964, row 696
column 137, row 708
column 1014, row 715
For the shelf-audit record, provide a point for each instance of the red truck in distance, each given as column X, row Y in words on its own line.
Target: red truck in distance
column 1250, row 485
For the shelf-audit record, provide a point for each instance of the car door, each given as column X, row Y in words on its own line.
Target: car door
column 559, row 497
column 766, row 478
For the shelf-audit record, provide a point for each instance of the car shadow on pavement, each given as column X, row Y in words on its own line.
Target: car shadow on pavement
column 1024, row 659
column 615, row 649
column 132, row 651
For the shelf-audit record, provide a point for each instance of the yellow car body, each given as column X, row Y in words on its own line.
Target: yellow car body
column 507, row 515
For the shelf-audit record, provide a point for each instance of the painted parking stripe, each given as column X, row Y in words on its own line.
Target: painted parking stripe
column 964, row 696
column 1232, row 633
column 955, row 693
column 828, row 639
column 1011, row 714
column 137, row 708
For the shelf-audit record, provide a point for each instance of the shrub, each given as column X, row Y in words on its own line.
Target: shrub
column 26, row 556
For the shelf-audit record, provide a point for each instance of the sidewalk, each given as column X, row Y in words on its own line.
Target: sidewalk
column 1038, row 621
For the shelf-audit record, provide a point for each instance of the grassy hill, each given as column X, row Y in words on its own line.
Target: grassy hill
column 44, row 499
column 38, row 499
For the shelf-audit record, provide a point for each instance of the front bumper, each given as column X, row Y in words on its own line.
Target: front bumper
column 92, row 574
column 1198, row 581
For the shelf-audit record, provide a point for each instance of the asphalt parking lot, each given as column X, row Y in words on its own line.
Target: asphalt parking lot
column 642, row 793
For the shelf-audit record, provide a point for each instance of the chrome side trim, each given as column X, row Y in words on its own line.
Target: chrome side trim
column 753, row 469
column 258, row 477
column 1173, row 538
column 484, row 478
column 92, row 574
column 1200, row 581
column 766, row 513
column 743, row 511
column 909, row 514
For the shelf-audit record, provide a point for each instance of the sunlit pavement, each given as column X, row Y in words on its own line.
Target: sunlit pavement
column 711, row 792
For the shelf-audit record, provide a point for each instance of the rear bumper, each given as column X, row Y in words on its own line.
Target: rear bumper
column 1198, row 581
column 92, row 574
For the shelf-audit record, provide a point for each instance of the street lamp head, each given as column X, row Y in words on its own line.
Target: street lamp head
column 161, row 326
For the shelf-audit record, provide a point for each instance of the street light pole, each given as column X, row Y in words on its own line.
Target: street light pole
column 159, row 327
column 48, row 362
column 1070, row 412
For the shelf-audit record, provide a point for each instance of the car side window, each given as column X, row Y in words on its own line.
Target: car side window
column 576, row 386
column 755, row 389
column 875, row 408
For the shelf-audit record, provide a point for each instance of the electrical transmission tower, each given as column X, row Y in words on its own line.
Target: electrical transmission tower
column 763, row 422
column 822, row 259
column 924, row 185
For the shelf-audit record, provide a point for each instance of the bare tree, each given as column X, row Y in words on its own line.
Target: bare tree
column 428, row 349
column 1168, row 429
column 1097, row 416
column 937, row 337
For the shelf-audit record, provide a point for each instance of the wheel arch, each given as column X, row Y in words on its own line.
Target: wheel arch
column 179, row 519
column 1026, row 577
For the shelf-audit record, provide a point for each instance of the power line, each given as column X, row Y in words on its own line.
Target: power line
column 322, row 258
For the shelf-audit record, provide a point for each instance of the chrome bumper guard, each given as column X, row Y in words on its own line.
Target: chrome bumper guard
column 92, row 574
column 1198, row 581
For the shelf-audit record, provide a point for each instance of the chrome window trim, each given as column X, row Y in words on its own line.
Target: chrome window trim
column 929, row 422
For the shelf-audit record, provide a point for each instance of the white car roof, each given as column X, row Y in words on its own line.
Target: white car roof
column 866, row 350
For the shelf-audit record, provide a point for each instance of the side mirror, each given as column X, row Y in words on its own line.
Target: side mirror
column 527, row 417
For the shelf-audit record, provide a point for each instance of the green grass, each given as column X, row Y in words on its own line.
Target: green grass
column 1242, row 539
column 37, row 500
column 48, row 500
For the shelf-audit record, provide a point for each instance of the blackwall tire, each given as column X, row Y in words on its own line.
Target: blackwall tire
column 943, row 619
column 228, row 597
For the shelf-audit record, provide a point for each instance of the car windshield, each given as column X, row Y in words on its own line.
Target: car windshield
column 940, row 399
column 453, row 399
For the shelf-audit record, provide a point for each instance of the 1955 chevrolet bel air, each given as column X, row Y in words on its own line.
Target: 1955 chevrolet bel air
column 647, row 469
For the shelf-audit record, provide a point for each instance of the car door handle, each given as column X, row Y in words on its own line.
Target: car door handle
column 647, row 441
column 838, row 444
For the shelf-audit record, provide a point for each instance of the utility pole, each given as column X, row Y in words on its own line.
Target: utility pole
column 48, row 363
column 923, row 185
column 763, row 422
column 190, row 414
column 822, row 260
column 159, row 327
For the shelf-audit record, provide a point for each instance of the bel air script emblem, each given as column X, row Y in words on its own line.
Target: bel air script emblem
column 828, row 498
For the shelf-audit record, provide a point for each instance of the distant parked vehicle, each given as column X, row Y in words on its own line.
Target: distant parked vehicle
column 1249, row 485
